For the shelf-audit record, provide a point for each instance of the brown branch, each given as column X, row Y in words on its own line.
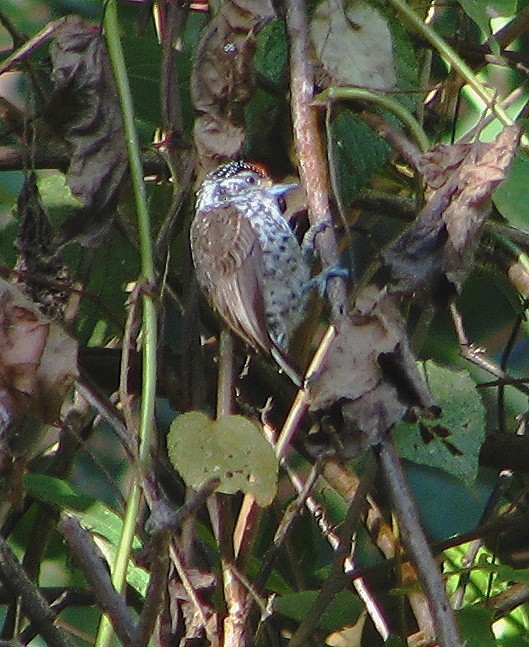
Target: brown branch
column 93, row 566
column 33, row 603
column 47, row 156
column 413, row 539
column 309, row 148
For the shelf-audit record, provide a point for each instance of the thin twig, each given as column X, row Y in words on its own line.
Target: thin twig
column 33, row 603
column 155, row 591
column 221, row 513
column 93, row 565
column 445, row 626
column 338, row 578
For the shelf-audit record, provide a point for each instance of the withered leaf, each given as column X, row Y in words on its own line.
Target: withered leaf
column 86, row 113
column 353, row 44
column 222, row 80
column 439, row 246
column 38, row 269
column 370, row 368
column 38, row 360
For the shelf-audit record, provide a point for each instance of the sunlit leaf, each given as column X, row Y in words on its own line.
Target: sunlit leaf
column 232, row 449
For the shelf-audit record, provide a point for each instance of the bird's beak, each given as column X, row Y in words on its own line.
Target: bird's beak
column 278, row 190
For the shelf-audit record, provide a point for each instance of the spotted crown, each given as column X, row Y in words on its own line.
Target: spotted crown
column 231, row 169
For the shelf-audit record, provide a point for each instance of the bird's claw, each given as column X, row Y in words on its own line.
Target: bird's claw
column 309, row 239
column 320, row 281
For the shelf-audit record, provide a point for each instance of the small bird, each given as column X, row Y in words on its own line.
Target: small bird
column 248, row 260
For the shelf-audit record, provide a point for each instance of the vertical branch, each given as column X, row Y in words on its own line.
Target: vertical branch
column 149, row 321
column 309, row 148
column 221, row 514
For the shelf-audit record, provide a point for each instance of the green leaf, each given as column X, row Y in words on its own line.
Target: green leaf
column 510, row 197
column 394, row 641
column 505, row 572
column 271, row 58
column 475, row 625
column 231, row 449
column 453, row 441
column 481, row 12
column 344, row 610
column 358, row 154
column 93, row 515
column 56, row 195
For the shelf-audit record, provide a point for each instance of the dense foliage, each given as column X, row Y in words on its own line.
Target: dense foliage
column 164, row 484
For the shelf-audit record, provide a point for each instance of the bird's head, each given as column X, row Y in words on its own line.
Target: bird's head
column 237, row 181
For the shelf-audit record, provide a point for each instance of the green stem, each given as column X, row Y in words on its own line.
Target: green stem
column 476, row 88
column 146, row 427
column 336, row 93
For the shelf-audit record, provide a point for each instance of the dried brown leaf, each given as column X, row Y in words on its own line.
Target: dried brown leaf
column 222, row 78
column 38, row 360
column 370, row 369
column 86, row 113
column 38, row 270
column 354, row 45
column 437, row 250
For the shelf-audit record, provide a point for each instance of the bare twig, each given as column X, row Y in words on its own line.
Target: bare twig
column 337, row 578
column 312, row 160
column 35, row 606
column 155, row 591
column 96, row 572
column 221, row 513
column 445, row 627
column 287, row 523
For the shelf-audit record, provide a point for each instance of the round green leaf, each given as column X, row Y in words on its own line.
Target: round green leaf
column 231, row 449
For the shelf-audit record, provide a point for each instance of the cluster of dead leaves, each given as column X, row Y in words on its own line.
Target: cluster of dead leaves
column 370, row 369
column 222, row 79
column 38, row 361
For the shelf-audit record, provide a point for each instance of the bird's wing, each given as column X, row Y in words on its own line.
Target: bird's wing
column 229, row 265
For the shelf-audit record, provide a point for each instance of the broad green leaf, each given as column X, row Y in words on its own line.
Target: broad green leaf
column 475, row 625
column 55, row 492
column 510, row 197
column 231, row 449
column 504, row 572
column 481, row 12
column 93, row 515
column 358, row 154
column 56, row 195
column 451, row 442
column 344, row 610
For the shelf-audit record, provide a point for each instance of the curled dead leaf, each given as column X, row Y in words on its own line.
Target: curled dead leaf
column 38, row 269
column 38, row 360
column 353, row 44
column 437, row 250
column 222, row 78
column 370, row 370
column 85, row 111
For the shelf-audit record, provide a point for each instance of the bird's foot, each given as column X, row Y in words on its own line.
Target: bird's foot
column 320, row 281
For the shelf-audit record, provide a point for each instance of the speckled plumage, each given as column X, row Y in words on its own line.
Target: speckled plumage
column 247, row 258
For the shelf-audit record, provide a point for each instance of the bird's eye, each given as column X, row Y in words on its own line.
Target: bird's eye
column 250, row 179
